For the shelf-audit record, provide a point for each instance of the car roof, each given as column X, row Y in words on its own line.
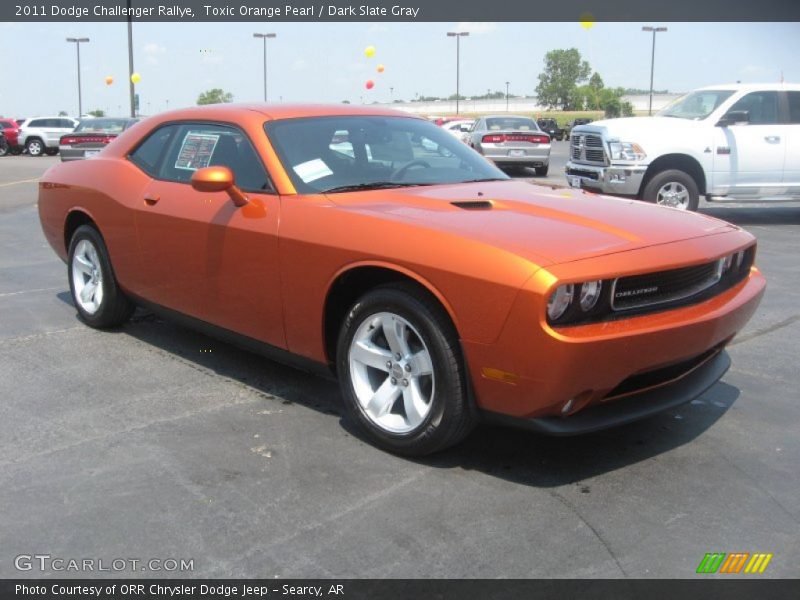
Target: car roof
column 282, row 111
column 508, row 117
column 753, row 87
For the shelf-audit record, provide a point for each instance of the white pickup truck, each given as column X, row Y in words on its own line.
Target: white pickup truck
column 737, row 141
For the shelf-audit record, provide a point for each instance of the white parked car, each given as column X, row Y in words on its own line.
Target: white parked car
column 737, row 141
column 458, row 128
column 40, row 135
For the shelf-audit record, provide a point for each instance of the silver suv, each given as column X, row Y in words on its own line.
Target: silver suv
column 40, row 135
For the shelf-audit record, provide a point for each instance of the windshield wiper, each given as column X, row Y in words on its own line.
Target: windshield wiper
column 486, row 179
column 374, row 185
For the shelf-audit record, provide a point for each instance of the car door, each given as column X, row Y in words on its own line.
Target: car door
column 749, row 156
column 201, row 255
column 52, row 131
column 791, row 164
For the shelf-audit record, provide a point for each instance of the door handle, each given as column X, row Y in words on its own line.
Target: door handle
column 772, row 139
column 151, row 199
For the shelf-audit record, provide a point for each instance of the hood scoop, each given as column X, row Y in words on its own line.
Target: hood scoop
column 473, row 204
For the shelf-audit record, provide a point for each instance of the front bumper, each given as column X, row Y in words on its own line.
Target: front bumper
column 614, row 179
column 560, row 372
column 631, row 408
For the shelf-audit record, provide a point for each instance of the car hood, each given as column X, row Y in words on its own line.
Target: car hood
column 542, row 224
column 627, row 129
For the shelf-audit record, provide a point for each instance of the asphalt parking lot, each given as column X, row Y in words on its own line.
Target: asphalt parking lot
column 153, row 441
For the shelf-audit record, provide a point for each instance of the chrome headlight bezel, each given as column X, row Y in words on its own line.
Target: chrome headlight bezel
column 627, row 151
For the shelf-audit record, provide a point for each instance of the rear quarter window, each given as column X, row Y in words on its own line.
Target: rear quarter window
column 148, row 153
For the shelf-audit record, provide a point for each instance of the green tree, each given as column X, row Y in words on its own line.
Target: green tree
column 62, row 113
column 611, row 103
column 214, row 96
column 97, row 113
column 563, row 71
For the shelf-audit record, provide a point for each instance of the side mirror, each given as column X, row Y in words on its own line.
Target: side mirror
column 733, row 117
column 218, row 179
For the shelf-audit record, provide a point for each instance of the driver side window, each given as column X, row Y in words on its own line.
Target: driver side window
column 762, row 107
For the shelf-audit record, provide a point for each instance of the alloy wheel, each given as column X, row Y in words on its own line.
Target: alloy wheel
column 391, row 372
column 673, row 194
column 87, row 277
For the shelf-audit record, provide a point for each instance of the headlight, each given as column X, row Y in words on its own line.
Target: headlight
column 590, row 294
column 626, row 151
column 560, row 301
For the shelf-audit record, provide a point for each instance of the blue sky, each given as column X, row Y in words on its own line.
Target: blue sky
column 324, row 62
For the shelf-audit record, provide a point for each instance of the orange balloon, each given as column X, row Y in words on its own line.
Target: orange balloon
column 109, row 80
column 380, row 69
column 370, row 84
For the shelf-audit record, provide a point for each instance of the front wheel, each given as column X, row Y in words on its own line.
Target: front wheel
column 401, row 372
column 673, row 188
column 94, row 288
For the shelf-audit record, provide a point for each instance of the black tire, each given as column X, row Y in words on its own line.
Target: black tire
column 115, row 308
column 4, row 148
column 542, row 171
column 35, row 147
column 450, row 416
column 51, row 151
column 676, row 177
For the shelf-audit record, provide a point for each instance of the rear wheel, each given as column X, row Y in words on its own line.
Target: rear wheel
column 542, row 171
column 673, row 188
column 401, row 372
column 94, row 288
column 35, row 147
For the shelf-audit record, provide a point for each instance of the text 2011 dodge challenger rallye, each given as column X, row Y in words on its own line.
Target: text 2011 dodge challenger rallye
column 374, row 243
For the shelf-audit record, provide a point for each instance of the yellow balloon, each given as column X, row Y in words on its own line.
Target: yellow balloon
column 380, row 69
column 369, row 51
column 136, row 78
column 587, row 20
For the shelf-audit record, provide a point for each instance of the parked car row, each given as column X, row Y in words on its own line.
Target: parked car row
column 75, row 139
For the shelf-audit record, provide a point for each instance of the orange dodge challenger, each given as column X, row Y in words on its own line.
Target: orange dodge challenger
column 374, row 244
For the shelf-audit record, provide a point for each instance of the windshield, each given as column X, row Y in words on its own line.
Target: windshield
column 696, row 106
column 332, row 154
column 103, row 125
column 511, row 124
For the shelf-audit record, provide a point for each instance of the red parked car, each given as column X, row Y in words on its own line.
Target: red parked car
column 10, row 130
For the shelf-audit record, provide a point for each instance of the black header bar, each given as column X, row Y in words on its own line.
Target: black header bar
column 401, row 10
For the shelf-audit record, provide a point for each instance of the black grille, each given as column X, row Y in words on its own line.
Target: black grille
column 583, row 173
column 676, row 285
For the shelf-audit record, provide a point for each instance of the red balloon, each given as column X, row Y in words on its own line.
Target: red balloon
column 370, row 84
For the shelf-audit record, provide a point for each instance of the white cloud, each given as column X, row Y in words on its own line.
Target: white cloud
column 299, row 64
column 477, row 28
column 378, row 28
column 152, row 51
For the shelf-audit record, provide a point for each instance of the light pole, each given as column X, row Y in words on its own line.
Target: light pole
column 264, row 37
column 131, row 92
column 507, row 82
column 77, row 42
column 458, row 35
column 655, row 30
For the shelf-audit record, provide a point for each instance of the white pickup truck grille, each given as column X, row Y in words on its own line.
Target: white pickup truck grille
column 587, row 148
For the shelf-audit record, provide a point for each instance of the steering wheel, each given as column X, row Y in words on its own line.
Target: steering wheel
column 399, row 173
